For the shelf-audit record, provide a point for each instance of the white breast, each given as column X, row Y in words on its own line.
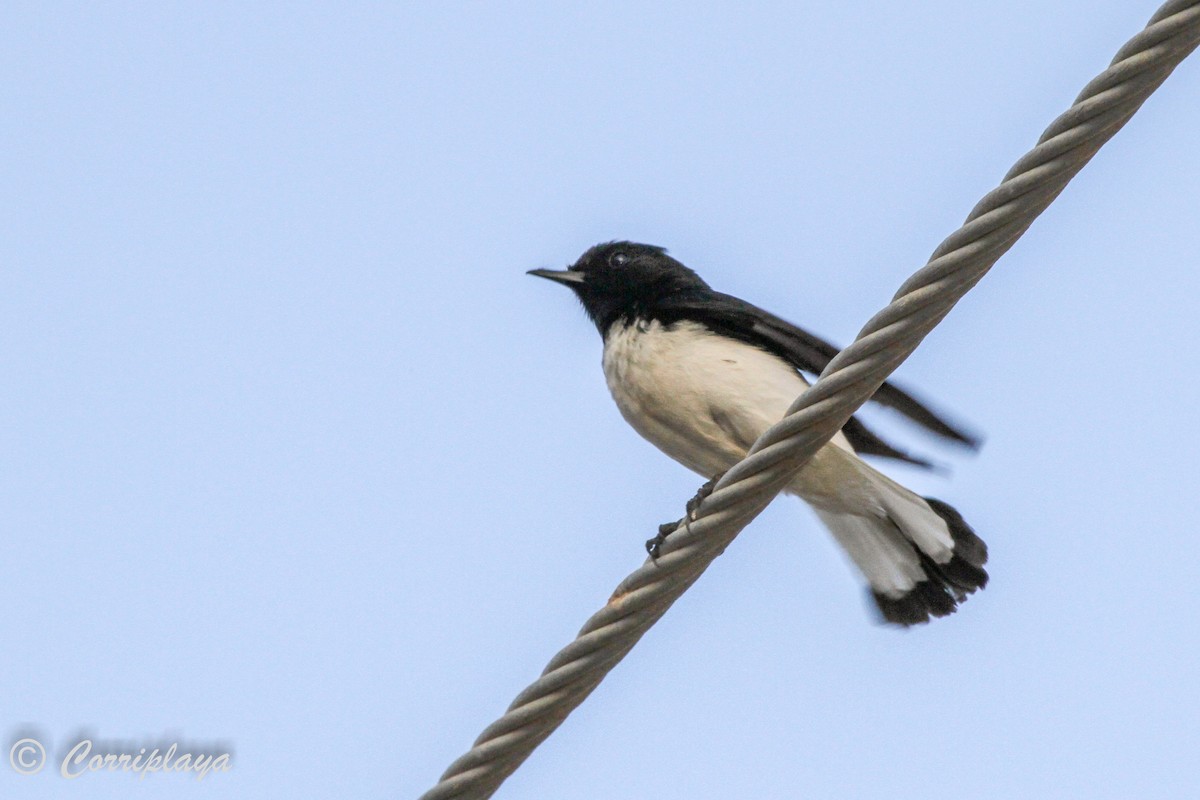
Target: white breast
column 701, row 398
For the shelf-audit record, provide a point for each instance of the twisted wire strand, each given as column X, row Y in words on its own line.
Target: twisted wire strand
column 958, row 263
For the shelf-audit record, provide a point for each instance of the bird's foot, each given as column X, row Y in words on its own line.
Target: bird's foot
column 703, row 492
column 654, row 546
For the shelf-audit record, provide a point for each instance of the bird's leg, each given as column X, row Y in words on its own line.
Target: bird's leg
column 653, row 546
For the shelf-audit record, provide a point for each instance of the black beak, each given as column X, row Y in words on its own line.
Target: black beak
column 567, row 277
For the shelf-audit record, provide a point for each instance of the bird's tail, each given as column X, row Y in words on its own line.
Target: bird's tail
column 920, row 558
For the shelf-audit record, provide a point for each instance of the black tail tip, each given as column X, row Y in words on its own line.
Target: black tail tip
column 946, row 585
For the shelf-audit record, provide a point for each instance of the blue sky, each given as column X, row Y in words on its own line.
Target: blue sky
column 296, row 459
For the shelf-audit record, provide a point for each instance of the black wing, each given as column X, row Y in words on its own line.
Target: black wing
column 740, row 320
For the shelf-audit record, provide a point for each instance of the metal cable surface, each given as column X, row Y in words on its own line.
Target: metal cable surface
column 958, row 263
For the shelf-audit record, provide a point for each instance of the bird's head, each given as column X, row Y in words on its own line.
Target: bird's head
column 623, row 280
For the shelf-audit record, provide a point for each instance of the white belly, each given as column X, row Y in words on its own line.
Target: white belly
column 704, row 399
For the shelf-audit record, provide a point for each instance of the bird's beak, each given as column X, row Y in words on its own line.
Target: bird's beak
column 568, row 277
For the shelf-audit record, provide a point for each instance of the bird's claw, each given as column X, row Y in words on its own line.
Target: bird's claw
column 654, row 546
column 701, row 494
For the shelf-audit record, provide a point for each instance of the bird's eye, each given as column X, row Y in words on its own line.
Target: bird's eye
column 618, row 259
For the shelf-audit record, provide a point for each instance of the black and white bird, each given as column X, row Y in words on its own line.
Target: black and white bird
column 702, row 374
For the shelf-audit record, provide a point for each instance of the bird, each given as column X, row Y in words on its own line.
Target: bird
column 701, row 375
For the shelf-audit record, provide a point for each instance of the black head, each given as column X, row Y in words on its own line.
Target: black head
column 623, row 280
